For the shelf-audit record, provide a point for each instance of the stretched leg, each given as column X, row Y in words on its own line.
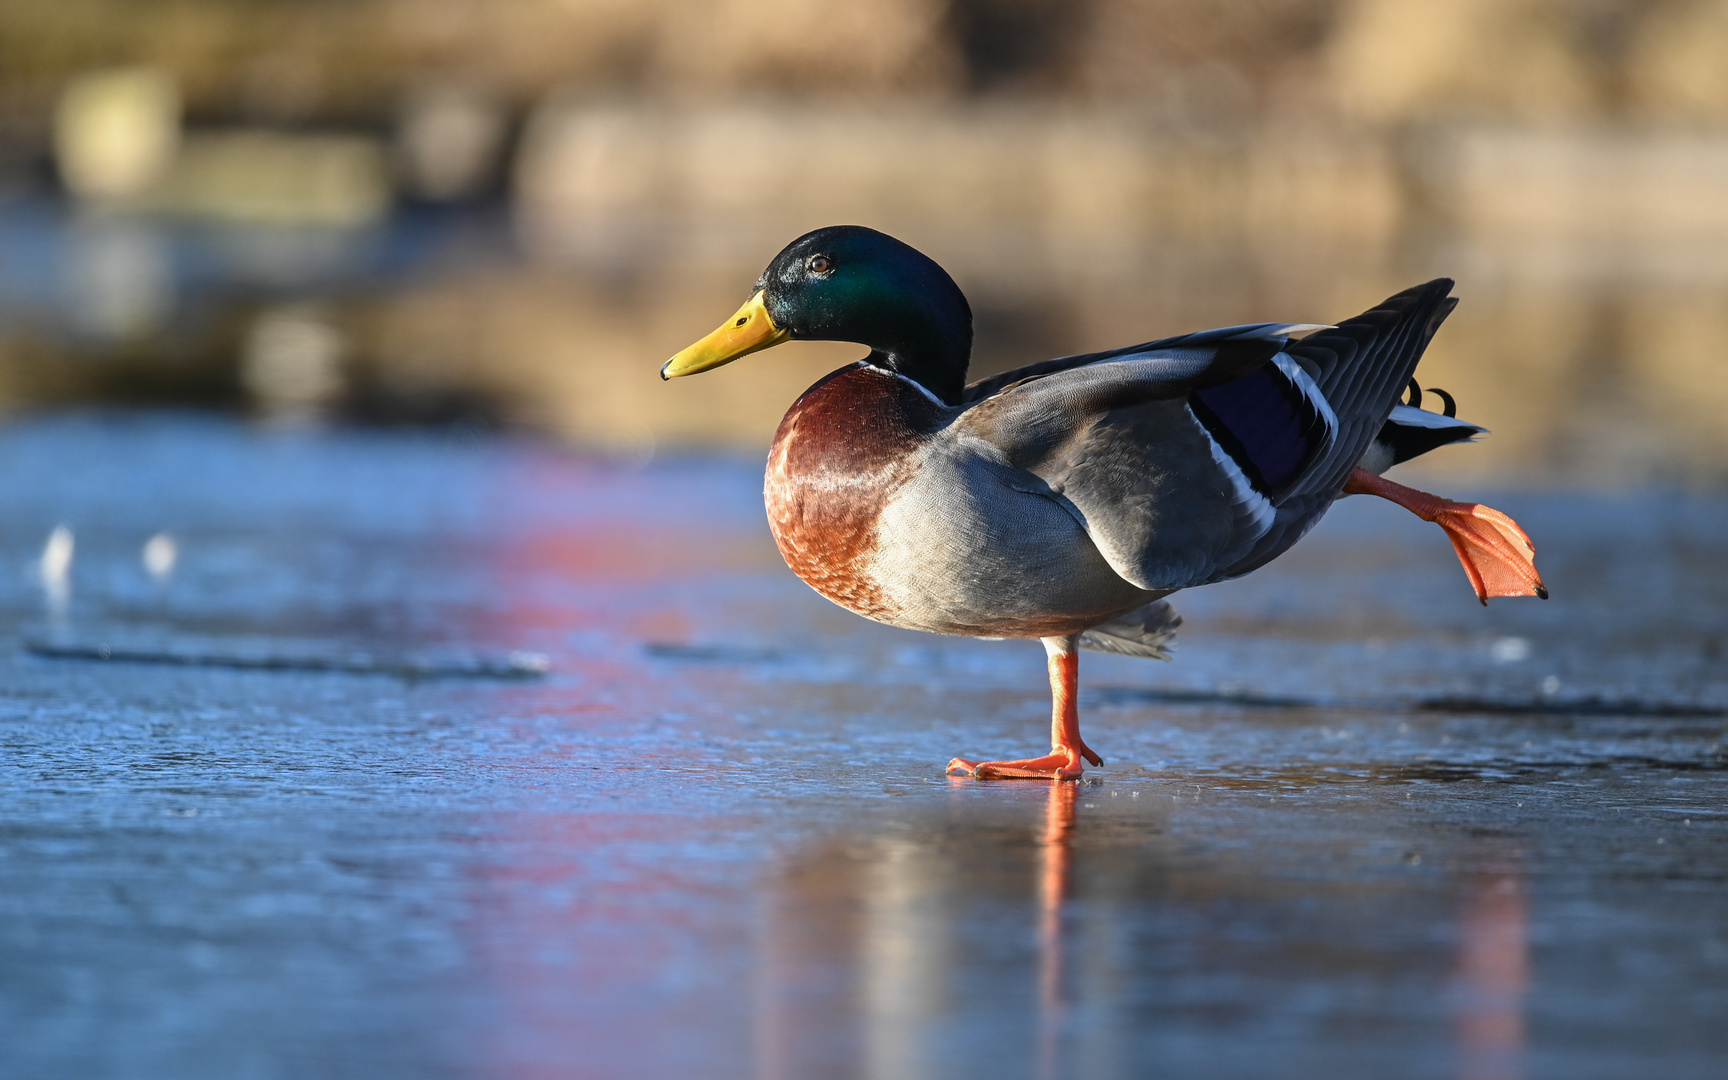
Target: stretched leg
column 1067, row 750
column 1497, row 555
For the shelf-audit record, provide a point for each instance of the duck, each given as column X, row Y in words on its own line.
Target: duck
column 1067, row 500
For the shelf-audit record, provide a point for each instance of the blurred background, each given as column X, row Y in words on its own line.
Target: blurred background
column 507, row 213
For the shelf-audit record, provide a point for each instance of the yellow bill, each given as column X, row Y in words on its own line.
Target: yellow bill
column 748, row 330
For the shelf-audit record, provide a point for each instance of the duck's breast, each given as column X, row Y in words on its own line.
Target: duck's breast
column 877, row 506
column 843, row 450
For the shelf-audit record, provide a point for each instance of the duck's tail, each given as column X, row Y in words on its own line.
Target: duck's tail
column 1145, row 631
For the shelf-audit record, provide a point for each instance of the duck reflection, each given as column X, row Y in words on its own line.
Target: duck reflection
column 877, row 951
column 1055, row 876
column 907, row 955
column 1082, row 930
column 1493, row 974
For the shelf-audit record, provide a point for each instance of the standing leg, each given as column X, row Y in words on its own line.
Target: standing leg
column 1068, row 751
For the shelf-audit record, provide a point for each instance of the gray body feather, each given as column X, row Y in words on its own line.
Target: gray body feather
column 1145, row 631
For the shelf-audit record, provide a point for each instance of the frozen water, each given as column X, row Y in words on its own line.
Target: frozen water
column 1351, row 831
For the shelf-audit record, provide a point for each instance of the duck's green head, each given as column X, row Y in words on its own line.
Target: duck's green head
column 849, row 283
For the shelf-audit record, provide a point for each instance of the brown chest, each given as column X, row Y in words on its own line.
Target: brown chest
column 842, row 452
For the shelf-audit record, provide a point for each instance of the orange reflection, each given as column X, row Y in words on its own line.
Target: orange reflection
column 1054, row 883
column 1493, row 976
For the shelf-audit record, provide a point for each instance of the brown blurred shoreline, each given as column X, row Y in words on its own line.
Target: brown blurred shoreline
column 435, row 211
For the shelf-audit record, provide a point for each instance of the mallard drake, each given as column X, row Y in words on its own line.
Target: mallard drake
column 1065, row 500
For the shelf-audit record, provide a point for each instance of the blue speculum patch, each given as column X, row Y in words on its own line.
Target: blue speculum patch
column 1264, row 423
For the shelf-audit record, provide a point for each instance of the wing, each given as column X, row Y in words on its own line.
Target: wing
column 1356, row 371
column 1114, row 440
column 1194, row 343
column 1194, row 459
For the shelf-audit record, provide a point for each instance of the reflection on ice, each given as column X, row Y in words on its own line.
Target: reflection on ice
column 1095, row 936
column 1054, row 881
column 904, row 955
column 54, row 570
column 714, row 839
column 1493, row 973
column 159, row 556
column 913, row 941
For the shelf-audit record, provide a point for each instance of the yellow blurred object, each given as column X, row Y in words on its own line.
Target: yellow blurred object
column 1395, row 60
column 116, row 132
column 1679, row 61
column 1659, row 195
column 272, row 178
column 448, row 141
column 292, row 363
column 1675, row 341
column 816, row 45
column 596, row 184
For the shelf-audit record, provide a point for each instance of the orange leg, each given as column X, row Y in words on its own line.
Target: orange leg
column 1067, row 750
column 1497, row 555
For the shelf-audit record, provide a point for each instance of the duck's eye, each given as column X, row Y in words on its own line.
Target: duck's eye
column 820, row 265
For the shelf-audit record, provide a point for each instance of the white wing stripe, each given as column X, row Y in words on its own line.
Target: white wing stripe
column 1310, row 390
column 1250, row 504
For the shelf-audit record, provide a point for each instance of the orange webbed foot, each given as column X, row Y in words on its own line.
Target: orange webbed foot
column 1057, row 766
column 1061, row 763
column 1497, row 555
